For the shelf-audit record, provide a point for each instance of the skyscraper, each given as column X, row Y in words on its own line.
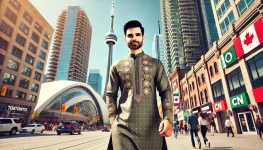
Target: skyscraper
column 95, row 80
column 227, row 12
column 158, row 48
column 71, row 48
column 188, row 31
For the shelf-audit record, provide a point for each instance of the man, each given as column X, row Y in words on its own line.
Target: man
column 136, row 123
column 259, row 125
column 193, row 123
column 175, row 129
column 229, row 125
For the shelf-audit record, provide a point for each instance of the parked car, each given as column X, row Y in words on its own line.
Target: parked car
column 32, row 128
column 105, row 129
column 10, row 125
column 69, row 127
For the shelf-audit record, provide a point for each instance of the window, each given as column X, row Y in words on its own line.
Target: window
column 206, row 96
column 38, row 27
column 215, row 67
column 3, row 44
column 37, row 76
column 42, row 54
column 15, row 4
column 243, row 5
column 193, row 85
column 227, row 21
column 13, row 65
column 24, row 83
column 217, row 90
column 8, row 93
column 24, row 28
column 216, row 2
column 6, row 29
column 190, row 87
column 195, row 100
column 45, row 44
column 211, row 71
column 34, row 87
column 202, row 98
column 20, row 40
column 26, row 71
column 2, row 57
column 32, row 98
column 10, row 15
column 47, row 35
column 27, row 17
column 6, row 121
column 17, row 52
column 40, row 65
column 29, row 59
column 235, row 79
column 35, row 37
column 255, row 66
column 21, row 95
column 32, row 48
column 223, row 8
column 9, row 79
column 198, row 80
column 203, row 78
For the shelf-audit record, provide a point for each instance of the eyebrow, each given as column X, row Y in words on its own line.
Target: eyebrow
column 132, row 34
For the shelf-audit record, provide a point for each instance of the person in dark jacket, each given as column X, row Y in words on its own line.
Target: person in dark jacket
column 259, row 125
column 193, row 123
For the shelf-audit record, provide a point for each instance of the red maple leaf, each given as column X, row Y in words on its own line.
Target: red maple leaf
column 248, row 39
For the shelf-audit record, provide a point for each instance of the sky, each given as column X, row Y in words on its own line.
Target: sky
column 98, row 12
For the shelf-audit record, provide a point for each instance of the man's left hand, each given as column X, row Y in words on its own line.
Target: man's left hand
column 165, row 128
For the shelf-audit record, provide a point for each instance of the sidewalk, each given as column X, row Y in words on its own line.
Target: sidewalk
column 218, row 142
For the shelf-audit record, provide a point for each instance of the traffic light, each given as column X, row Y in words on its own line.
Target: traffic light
column 76, row 110
column 63, row 108
column 3, row 91
column 89, row 118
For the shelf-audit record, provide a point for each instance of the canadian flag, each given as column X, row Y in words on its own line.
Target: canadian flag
column 176, row 98
column 249, row 39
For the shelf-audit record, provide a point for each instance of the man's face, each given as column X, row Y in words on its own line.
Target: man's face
column 134, row 38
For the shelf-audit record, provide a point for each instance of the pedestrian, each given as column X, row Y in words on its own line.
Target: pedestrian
column 138, row 75
column 212, row 126
column 259, row 125
column 181, row 128
column 203, row 127
column 175, row 129
column 193, row 125
column 229, row 125
column 185, row 128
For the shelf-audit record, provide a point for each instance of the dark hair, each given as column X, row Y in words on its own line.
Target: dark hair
column 202, row 115
column 133, row 24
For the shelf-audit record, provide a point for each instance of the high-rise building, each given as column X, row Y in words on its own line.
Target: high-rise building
column 158, row 48
column 226, row 12
column 25, row 38
column 95, row 80
column 71, row 48
column 189, row 31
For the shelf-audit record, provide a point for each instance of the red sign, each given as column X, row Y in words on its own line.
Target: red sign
column 258, row 94
column 220, row 106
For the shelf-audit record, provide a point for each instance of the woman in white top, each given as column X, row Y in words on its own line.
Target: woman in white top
column 228, row 125
column 202, row 123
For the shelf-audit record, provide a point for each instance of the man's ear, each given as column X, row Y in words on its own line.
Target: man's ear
column 143, row 38
column 124, row 39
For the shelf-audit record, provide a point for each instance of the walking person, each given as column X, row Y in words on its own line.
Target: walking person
column 259, row 125
column 175, row 129
column 193, row 125
column 185, row 128
column 202, row 123
column 212, row 126
column 228, row 125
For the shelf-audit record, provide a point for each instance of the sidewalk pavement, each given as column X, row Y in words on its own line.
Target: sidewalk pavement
column 218, row 142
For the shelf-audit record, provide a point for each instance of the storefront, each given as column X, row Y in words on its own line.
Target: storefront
column 259, row 97
column 14, row 111
column 240, row 104
column 196, row 110
column 220, row 110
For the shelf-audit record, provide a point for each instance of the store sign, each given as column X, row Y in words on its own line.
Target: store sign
column 220, row 106
column 196, row 110
column 228, row 57
column 258, row 94
column 180, row 116
column 16, row 108
column 239, row 100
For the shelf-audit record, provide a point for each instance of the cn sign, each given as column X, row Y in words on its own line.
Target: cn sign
column 220, row 106
column 239, row 100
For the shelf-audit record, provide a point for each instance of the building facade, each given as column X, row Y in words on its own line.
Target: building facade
column 227, row 12
column 95, row 80
column 25, row 38
column 189, row 31
column 71, row 49
column 228, row 80
column 158, row 48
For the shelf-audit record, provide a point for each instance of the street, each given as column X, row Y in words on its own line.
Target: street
column 98, row 140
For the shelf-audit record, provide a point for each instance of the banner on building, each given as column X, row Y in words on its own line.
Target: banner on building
column 249, row 39
column 176, row 98
column 228, row 57
column 180, row 116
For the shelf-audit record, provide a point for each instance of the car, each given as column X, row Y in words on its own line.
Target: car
column 10, row 125
column 105, row 129
column 32, row 128
column 68, row 127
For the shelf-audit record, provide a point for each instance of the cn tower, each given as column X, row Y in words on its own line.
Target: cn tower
column 110, row 39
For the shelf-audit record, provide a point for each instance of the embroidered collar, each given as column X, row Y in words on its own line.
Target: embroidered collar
column 135, row 56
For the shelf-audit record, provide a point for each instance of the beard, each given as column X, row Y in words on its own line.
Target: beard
column 133, row 46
